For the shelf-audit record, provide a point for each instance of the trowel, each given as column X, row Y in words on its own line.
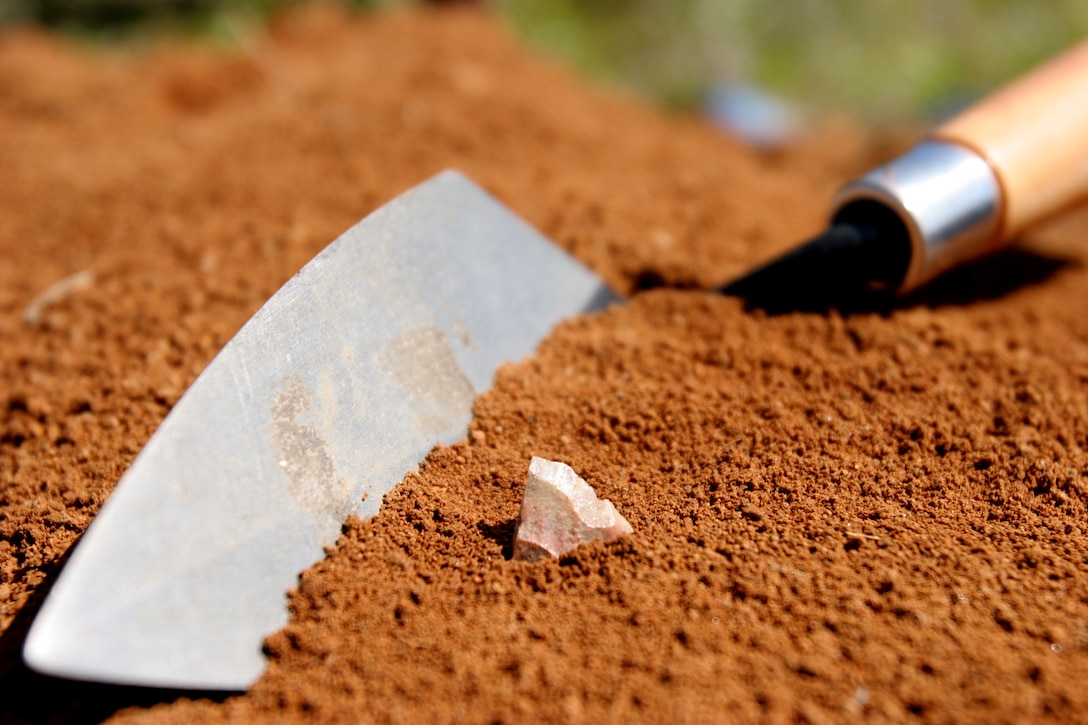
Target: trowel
column 375, row 351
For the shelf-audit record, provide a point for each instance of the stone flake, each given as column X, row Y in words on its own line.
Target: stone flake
column 560, row 511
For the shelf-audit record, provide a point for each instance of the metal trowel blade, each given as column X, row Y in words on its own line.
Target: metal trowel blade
column 323, row 401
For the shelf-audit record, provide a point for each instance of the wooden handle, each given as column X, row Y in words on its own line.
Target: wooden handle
column 1034, row 134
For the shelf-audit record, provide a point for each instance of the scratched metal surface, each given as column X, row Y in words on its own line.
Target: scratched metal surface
column 320, row 404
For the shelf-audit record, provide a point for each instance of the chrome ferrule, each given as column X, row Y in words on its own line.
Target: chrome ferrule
column 948, row 198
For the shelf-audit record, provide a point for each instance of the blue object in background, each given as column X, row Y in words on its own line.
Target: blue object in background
column 752, row 114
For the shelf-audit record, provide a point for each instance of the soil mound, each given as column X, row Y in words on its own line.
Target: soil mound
column 873, row 514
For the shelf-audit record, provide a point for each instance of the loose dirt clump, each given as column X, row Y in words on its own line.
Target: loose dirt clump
column 869, row 514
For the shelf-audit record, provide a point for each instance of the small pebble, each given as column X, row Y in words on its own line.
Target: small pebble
column 560, row 511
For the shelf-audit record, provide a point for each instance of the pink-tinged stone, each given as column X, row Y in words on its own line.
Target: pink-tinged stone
column 561, row 511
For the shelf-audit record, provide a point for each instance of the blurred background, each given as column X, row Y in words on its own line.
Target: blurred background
column 880, row 59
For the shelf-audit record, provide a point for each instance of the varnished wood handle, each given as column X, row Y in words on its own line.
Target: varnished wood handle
column 1034, row 134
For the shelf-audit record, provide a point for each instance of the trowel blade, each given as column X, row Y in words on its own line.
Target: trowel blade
column 322, row 402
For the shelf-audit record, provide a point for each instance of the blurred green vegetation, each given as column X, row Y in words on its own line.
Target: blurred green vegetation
column 882, row 58
column 112, row 20
column 878, row 58
column 118, row 21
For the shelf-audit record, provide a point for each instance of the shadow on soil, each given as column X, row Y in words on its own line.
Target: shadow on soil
column 27, row 697
column 990, row 278
column 502, row 534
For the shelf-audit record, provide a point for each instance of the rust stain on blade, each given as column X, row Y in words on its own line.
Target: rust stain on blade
column 425, row 371
column 302, row 454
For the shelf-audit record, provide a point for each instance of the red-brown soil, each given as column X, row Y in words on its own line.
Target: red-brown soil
column 875, row 514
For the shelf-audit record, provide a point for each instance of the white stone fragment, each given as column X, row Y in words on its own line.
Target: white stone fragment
column 561, row 511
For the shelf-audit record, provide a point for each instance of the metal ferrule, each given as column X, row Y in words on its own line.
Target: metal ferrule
column 948, row 198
